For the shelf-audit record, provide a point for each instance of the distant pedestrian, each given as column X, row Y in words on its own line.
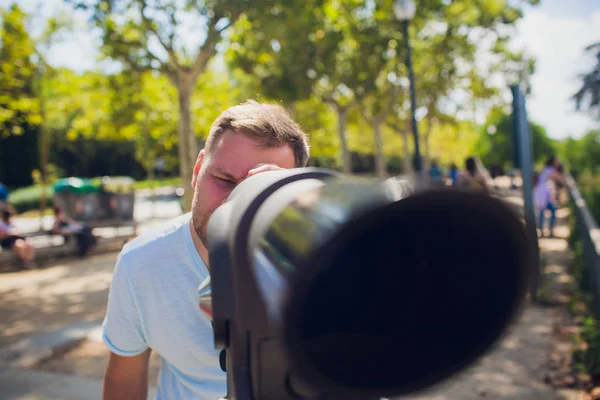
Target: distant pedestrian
column 435, row 175
column 496, row 171
column 3, row 196
column 542, row 194
column 454, row 174
column 472, row 178
column 512, row 174
column 66, row 226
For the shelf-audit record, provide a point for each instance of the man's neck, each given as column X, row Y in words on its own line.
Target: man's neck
column 200, row 248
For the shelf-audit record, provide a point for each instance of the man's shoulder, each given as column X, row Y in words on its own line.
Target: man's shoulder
column 156, row 240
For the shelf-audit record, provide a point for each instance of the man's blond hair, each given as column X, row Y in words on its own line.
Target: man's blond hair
column 267, row 124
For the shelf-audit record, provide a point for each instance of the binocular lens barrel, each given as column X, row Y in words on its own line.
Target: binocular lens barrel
column 390, row 298
column 335, row 288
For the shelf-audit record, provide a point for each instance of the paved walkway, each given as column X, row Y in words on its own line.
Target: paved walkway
column 18, row 384
column 515, row 370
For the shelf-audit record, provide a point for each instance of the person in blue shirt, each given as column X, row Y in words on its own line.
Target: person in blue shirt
column 454, row 174
column 3, row 195
column 153, row 299
column 435, row 174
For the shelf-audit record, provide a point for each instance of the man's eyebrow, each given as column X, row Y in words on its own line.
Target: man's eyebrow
column 224, row 173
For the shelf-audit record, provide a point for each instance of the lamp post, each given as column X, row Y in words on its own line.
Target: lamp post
column 404, row 10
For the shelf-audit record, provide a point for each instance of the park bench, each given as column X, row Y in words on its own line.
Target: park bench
column 112, row 236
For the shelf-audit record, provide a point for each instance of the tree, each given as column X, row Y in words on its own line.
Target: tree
column 453, row 142
column 142, row 107
column 351, row 52
column 319, row 121
column 452, row 75
column 583, row 154
column 19, row 106
column 495, row 143
column 590, row 88
column 146, row 35
column 304, row 59
column 51, row 34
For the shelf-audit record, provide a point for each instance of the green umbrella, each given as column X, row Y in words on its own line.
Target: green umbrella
column 75, row 185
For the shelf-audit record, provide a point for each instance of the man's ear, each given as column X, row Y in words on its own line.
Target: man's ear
column 197, row 167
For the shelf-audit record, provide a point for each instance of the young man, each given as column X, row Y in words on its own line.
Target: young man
column 153, row 301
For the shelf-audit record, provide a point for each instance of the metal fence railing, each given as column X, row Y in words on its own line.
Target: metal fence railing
column 589, row 233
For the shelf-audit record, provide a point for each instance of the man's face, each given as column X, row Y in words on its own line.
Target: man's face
column 215, row 175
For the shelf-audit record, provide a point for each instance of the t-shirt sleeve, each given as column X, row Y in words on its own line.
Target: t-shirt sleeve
column 122, row 328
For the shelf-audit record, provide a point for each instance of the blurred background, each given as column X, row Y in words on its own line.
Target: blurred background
column 104, row 105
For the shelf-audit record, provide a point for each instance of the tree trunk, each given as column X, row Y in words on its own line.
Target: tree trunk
column 342, row 113
column 426, row 153
column 379, row 156
column 151, row 177
column 407, row 157
column 427, row 159
column 43, row 165
column 188, row 150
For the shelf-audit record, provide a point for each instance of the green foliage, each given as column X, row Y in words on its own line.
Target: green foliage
column 580, row 155
column 582, row 160
column 588, row 358
column 453, row 143
column 143, row 109
column 152, row 36
column 156, row 183
column 319, row 58
column 495, row 143
column 319, row 121
column 589, row 186
column 53, row 174
column 351, row 52
column 586, row 355
column 590, row 86
column 19, row 108
column 271, row 54
column 18, row 105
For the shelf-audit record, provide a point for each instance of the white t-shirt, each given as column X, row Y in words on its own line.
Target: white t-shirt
column 153, row 303
column 6, row 227
column 541, row 191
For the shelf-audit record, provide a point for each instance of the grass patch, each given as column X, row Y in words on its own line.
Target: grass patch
column 149, row 184
column 35, row 213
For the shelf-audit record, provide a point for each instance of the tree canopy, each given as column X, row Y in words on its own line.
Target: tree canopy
column 590, row 87
column 18, row 103
column 337, row 65
column 495, row 143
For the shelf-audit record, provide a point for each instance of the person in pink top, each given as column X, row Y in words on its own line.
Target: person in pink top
column 542, row 196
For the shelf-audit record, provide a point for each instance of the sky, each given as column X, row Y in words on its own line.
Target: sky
column 555, row 32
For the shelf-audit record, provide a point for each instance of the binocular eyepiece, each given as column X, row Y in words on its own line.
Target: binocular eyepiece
column 329, row 287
